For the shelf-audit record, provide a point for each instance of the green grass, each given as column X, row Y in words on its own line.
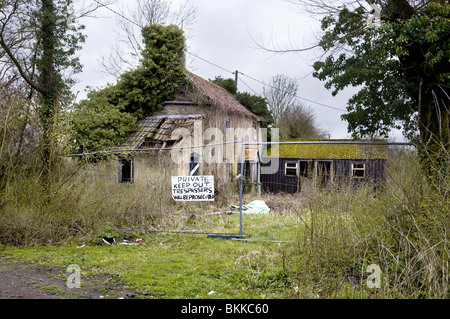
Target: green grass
column 188, row 265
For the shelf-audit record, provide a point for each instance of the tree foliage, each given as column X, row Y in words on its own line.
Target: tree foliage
column 100, row 125
column 129, row 45
column 137, row 93
column 256, row 104
column 39, row 40
column 401, row 68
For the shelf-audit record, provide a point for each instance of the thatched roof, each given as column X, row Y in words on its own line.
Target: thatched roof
column 156, row 130
column 219, row 97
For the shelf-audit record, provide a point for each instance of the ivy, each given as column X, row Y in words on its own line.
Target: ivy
column 109, row 115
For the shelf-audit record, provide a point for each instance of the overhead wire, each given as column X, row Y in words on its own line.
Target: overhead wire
column 222, row 68
column 294, row 95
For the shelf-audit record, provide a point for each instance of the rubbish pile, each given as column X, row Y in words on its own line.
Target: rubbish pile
column 258, row 207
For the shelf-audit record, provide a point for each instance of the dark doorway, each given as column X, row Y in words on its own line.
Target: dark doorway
column 126, row 170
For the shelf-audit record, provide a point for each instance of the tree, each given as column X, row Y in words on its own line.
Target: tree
column 254, row 103
column 138, row 93
column 130, row 43
column 227, row 84
column 257, row 105
column 299, row 122
column 402, row 68
column 291, row 117
column 39, row 40
column 100, row 125
column 161, row 72
column 280, row 96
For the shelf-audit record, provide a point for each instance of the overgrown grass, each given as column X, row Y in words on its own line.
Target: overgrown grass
column 401, row 229
column 311, row 245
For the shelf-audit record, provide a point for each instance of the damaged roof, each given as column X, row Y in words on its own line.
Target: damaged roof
column 159, row 129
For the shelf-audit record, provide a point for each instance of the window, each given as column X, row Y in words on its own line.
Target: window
column 126, row 170
column 358, row 170
column 290, row 169
column 304, row 169
column 226, row 124
column 194, row 164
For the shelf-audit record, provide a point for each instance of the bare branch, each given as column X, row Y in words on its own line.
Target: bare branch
column 8, row 49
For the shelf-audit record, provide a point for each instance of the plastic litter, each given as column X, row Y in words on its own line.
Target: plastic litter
column 258, row 207
column 109, row 240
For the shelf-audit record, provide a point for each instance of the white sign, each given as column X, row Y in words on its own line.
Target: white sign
column 193, row 188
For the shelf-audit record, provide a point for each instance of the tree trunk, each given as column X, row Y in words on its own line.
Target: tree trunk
column 48, row 87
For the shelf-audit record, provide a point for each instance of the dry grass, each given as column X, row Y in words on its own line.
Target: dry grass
column 335, row 234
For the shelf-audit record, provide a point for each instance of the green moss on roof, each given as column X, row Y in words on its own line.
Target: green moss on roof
column 329, row 151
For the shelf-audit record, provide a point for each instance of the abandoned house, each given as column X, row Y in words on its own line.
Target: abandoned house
column 203, row 114
column 311, row 166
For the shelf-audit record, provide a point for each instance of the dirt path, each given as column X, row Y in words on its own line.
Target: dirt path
column 27, row 281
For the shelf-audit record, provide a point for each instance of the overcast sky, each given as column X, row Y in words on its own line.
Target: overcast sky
column 224, row 34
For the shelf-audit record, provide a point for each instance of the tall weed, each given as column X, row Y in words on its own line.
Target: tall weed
column 401, row 229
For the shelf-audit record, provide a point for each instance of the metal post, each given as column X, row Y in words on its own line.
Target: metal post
column 241, row 186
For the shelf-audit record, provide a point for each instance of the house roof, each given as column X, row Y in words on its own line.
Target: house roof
column 330, row 149
column 219, row 97
column 159, row 128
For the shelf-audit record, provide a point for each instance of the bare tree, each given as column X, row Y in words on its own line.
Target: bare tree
column 38, row 42
column 299, row 121
column 127, row 52
column 280, row 95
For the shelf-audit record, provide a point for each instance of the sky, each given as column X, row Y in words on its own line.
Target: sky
column 225, row 38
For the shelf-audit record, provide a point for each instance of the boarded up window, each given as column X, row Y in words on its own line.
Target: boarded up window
column 194, row 164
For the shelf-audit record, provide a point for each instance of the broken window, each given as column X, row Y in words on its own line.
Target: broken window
column 126, row 170
column 304, row 169
column 358, row 170
column 194, row 164
column 323, row 173
column 290, row 169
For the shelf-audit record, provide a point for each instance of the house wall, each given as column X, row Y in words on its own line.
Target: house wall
column 217, row 126
column 340, row 174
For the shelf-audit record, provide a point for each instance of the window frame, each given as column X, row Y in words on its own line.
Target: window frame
column 122, row 162
column 358, row 169
column 291, row 168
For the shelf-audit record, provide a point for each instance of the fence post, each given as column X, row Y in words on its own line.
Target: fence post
column 241, row 185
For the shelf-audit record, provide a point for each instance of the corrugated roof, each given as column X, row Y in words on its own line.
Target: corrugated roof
column 159, row 128
column 330, row 151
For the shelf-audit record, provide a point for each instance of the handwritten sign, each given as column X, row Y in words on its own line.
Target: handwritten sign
column 193, row 188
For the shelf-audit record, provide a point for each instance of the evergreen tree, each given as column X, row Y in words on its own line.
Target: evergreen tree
column 137, row 93
column 40, row 39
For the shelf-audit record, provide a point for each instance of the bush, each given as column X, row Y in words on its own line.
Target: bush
column 402, row 229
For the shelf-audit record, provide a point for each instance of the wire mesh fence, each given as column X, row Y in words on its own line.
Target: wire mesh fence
column 165, row 181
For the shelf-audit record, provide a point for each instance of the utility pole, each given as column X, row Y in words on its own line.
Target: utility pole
column 236, row 77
